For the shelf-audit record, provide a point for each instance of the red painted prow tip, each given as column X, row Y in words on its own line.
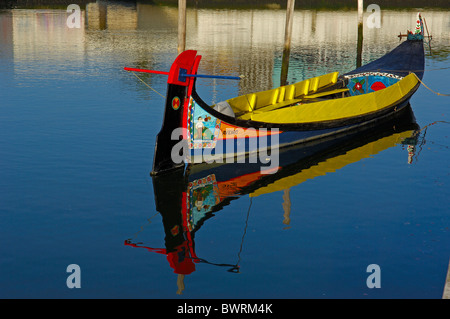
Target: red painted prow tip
column 184, row 66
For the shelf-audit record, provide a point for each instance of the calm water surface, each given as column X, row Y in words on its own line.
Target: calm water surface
column 77, row 136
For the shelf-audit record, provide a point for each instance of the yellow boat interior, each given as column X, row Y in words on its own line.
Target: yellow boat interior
column 322, row 98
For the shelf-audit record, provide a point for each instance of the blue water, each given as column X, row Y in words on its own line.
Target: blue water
column 77, row 137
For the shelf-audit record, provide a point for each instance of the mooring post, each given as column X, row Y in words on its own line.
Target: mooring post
column 287, row 40
column 360, row 33
column 360, row 11
column 181, row 25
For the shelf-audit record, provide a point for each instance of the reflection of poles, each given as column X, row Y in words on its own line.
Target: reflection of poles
column 411, row 152
column 180, row 284
column 95, row 16
column 287, row 41
column 360, row 33
column 181, row 25
column 286, row 206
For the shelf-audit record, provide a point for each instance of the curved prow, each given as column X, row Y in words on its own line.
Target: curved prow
column 179, row 89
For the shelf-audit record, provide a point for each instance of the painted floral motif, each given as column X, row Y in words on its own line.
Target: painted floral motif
column 357, row 85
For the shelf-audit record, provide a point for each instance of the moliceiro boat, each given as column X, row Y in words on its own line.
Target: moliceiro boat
column 256, row 126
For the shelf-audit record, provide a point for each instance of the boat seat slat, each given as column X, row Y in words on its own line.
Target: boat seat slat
column 277, row 106
column 314, row 96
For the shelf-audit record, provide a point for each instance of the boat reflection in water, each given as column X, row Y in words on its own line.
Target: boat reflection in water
column 187, row 198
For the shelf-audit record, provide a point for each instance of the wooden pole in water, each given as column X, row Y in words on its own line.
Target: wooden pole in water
column 287, row 40
column 446, row 294
column 360, row 33
column 181, row 25
column 360, row 11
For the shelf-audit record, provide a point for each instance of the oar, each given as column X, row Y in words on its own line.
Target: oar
column 225, row 77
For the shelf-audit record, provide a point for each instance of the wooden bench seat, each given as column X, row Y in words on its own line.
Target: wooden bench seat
column 255, row 103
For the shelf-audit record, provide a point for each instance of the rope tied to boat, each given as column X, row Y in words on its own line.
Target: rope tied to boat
column 435, row 122
column 147, row 84
column 437, row 93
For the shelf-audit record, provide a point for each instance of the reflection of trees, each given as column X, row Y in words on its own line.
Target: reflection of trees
column 7, row 4
column 310, row 4
column 257, row 67
column 440, row 54
column 35, row 4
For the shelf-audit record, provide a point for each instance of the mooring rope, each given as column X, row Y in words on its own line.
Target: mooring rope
column 435, row 122
column 236, row 269
column 149, row 220
column 147, row 85
column 441, row 94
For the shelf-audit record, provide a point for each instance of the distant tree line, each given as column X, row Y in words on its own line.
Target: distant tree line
column 317, row 4
column 307, row 4
column 11, row 4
